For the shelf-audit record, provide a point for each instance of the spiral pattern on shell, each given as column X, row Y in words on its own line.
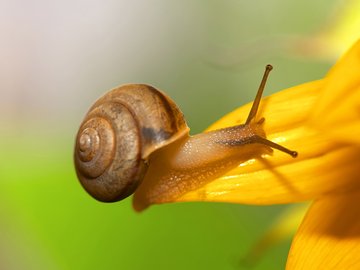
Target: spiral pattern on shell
column 118, row 135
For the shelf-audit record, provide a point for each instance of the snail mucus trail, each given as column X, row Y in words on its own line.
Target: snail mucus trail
column 127, row 129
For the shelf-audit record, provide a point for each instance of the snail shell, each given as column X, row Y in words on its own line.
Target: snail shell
column 117, row 136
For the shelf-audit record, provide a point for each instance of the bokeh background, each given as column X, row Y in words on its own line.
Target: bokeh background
column 57, row 57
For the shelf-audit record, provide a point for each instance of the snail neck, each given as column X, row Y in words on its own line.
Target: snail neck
column 205, row 149
column 193, row 161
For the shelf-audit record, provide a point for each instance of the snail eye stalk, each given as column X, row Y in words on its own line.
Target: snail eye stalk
column 253, row 112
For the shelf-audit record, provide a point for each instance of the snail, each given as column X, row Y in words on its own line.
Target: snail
column 131, row 124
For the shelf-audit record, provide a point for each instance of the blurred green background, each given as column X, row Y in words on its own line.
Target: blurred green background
column 57, row 57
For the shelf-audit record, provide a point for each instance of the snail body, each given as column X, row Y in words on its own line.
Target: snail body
column 135, row 131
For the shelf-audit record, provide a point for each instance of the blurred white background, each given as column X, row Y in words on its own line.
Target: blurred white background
column 57, row 57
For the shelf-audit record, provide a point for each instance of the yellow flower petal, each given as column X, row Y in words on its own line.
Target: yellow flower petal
column 283, row 182
column 338, row 106
column 325, row 163
column 333, row 107
column 329, row 235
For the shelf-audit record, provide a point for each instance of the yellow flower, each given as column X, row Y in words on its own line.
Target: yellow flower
column 321, row 120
